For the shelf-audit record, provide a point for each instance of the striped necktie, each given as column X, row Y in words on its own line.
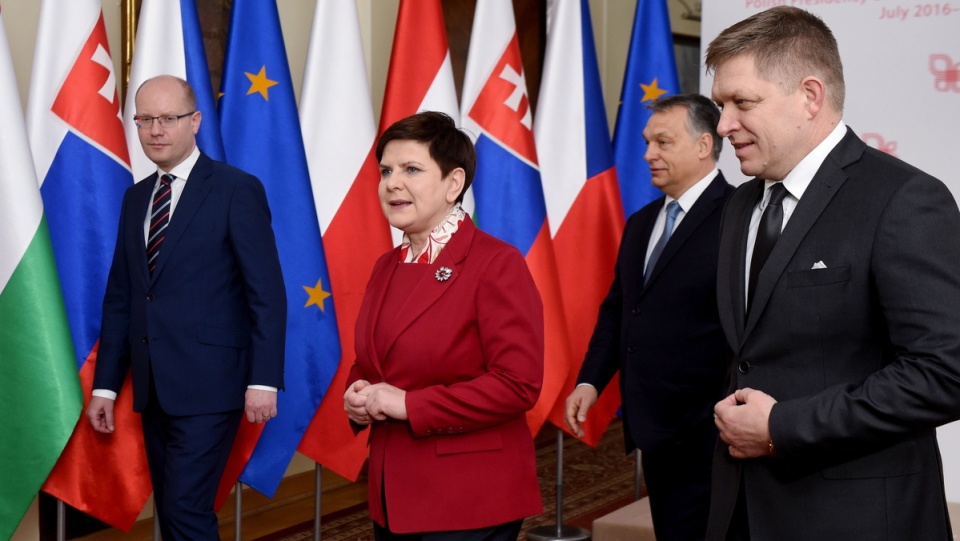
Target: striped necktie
column 159, row 220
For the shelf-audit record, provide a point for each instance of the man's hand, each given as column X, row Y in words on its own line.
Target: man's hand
column 260, row 405
column 385, row 401
column 354, row 403
column 578, row 405
column 100, row 413
column 744, row 422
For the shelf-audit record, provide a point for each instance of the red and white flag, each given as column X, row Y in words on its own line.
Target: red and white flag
column 580, row 186
column 339, row 134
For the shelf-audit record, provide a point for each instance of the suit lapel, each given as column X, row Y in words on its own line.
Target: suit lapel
column 731, row 268
column 424, row 294
column 373, row 306
column 701, row 210
column 194, row 192
column 824, row 186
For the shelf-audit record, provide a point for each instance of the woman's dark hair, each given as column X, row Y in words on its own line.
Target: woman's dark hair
column 448, row 146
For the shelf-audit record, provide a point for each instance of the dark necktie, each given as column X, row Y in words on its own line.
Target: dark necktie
column 767, row 234
column 159, row 219
column 673, row 210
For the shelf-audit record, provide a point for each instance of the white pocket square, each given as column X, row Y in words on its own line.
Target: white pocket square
column 818, row 265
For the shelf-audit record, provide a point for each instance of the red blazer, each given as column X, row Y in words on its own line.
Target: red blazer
column 469, row 352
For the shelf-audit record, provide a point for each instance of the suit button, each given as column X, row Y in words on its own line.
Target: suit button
column 150, row 298
column 429, row 432
column 743, row 367
column 144, row 340
column 450, row 431
column 635, row 311
column 631, row 349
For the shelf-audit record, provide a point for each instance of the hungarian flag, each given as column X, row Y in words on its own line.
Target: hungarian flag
column 37, row 363
column 507, row 189
column 651, row 73
column 339, row 135
column 420, row 76
column 81, row 160
column 261, row 135
column 580, row 185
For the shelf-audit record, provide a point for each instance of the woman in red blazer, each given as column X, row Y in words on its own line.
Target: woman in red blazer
column 449, row 346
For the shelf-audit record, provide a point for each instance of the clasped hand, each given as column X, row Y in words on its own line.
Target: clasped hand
column 744, row 422
column 365, row 402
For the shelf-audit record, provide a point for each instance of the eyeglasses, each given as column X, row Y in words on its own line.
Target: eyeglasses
column 166, row 121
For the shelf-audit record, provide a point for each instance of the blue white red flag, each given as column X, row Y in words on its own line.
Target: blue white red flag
column 507, row 188
column 80, row 154
column 261, row 135
column 580, row 187
column 651, row 73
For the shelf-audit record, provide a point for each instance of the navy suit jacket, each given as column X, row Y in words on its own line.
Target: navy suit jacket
column 855, row 331
column 211, row 319
column 665, row 338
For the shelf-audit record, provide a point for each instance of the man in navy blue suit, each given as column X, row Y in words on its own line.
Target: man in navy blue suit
column 659, row 324
column 195, row 307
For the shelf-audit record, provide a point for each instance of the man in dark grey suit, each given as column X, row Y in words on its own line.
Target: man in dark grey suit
column 659, row 324
column 839, row 293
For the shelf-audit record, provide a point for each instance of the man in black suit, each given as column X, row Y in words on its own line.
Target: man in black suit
column 659, row 324
column 839, row 288
column 195, row 305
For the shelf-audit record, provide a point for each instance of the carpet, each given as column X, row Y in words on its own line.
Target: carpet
column 596, row 482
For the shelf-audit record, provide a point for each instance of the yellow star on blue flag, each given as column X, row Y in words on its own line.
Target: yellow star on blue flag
column 316, row 295
column 260, row 83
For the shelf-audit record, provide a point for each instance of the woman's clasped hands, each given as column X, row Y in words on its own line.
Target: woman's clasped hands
column 365, row 402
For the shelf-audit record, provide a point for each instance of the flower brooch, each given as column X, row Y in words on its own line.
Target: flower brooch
column 443, row 274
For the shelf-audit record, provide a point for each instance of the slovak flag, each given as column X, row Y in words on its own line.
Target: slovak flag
column 170, row 42
column 580, row 186
column 80, row 154
column 339, row 135
column 507, row 188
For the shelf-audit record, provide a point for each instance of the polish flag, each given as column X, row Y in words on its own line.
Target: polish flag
column 339, row 134
column 507, row 188
column 80, row 154
column 580, row 186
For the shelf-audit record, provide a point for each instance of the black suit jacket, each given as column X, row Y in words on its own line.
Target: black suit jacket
column 211, row 319
column 665, row 338
column 863, row 356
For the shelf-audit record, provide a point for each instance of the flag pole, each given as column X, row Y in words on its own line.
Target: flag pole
column 558, row 532
column 317, row 491
column 237, row 509
column 61, row 520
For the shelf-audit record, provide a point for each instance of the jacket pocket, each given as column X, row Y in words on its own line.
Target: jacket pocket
column 219, row 336
column 900, row 459
column 819, row 277
column 487, row 440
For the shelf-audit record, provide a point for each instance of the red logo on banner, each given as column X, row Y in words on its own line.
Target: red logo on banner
column 946, row 73
column 503, row 108
column 877, row 141
column 88, row 99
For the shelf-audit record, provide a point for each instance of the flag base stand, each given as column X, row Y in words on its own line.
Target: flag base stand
column 558, row 532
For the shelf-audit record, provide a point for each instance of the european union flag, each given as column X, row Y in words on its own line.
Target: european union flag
column 261, row 135
column 651, row 73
